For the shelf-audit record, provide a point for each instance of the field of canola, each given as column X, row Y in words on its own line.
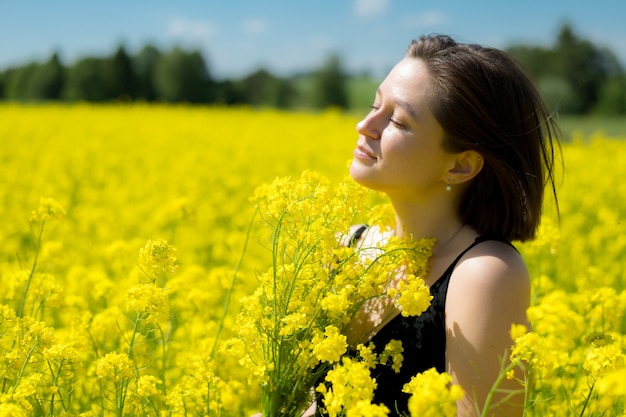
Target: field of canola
column 121, row 244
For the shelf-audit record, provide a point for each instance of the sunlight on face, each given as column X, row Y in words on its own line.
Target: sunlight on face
column 399, row 146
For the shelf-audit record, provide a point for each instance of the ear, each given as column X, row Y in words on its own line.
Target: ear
column 466, row 165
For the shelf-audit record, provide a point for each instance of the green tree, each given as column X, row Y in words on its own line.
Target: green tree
column 558, row 94
column 261, row 88
column 584, row 66
column 286, row 94
column 612, row 99
column 88, row 80
column 144, row 64
column 228, row 92
column 573, row 73
column 18, row 82
column 330, row 85
column 183, row 76
column 536, row 60
column 122, row 83
column 47, row 80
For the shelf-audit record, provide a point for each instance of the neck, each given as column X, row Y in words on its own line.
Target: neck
column 427, row 221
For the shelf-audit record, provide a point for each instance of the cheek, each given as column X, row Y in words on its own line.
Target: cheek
column 400, row 152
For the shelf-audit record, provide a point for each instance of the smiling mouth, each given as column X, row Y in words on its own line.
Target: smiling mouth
column 362, row 153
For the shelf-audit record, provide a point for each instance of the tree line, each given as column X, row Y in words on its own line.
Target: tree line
column 175, row 76
column 575, row 75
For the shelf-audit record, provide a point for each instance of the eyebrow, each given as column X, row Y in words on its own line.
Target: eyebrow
column 404, row 104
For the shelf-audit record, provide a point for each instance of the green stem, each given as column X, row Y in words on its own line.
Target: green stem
column 55, row 382
column 131, row 343
column 494, row 388
column 20, row 312
column 24, row 365
column 231, row 287
column 268, row 401
column 587, row 399
column 119, row 403
column 528, row 382
column 163, row 350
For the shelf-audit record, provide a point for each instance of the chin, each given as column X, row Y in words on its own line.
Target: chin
column 357, row 172
column 361, row 176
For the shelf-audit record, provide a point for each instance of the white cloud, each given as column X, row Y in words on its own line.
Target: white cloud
column 191, row 29
column 369, row 8
column 255, row 26
column 426, row 19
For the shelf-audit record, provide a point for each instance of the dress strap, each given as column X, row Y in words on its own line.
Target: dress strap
column 486, row 237
column 478, row 240
column 357, row 235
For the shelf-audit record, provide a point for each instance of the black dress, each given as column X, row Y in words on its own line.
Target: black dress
column 423, row 338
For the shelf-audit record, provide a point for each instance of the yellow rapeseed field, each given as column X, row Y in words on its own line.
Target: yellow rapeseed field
column 127, row 242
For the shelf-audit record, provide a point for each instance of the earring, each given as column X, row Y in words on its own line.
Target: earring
column 448, row 187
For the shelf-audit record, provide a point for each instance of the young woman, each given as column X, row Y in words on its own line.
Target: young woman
column 459, row 140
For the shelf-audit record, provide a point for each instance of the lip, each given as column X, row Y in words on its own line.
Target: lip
column 362, row 153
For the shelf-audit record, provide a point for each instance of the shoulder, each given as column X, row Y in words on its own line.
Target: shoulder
column 491, row 265
column 489, row 291
column 490, row 283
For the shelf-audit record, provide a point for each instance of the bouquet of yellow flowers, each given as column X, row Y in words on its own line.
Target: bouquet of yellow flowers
column 293, row 326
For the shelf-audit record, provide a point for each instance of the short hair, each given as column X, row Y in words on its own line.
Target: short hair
column 485, row 102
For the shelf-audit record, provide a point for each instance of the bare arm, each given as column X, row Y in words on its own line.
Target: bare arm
column 489, row 291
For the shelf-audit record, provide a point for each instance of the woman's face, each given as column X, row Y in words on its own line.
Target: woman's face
column 399, row 148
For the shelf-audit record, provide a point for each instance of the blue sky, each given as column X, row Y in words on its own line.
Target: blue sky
column 287, row 36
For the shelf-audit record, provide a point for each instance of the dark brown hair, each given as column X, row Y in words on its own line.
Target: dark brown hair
column 485, row 102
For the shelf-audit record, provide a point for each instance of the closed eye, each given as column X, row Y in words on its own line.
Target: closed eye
column 397, row 123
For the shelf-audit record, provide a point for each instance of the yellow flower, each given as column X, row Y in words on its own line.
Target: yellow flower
column 330, row 346
column 432, row 394
column 157, row 257
column 612, row 388
column 336, row 304
column 603, row 359
column 367, row 355
column 517, row 331
column 147, row 386
column 367, row 409
column 48, row 208
column 234, row 347
column 294, row 322
column 393, row 353
column 116, row 367
column 259, row 373
column 61, row 353
column 413, row 296
column 7, row 314
column 28, row 386
column 36, row 333
column 532, row 349
column 85, row 270
column 12, row 410
column 179, row 210
column 352, row 387
column 148, row 301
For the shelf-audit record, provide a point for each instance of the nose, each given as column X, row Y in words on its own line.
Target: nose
column 371, row 126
